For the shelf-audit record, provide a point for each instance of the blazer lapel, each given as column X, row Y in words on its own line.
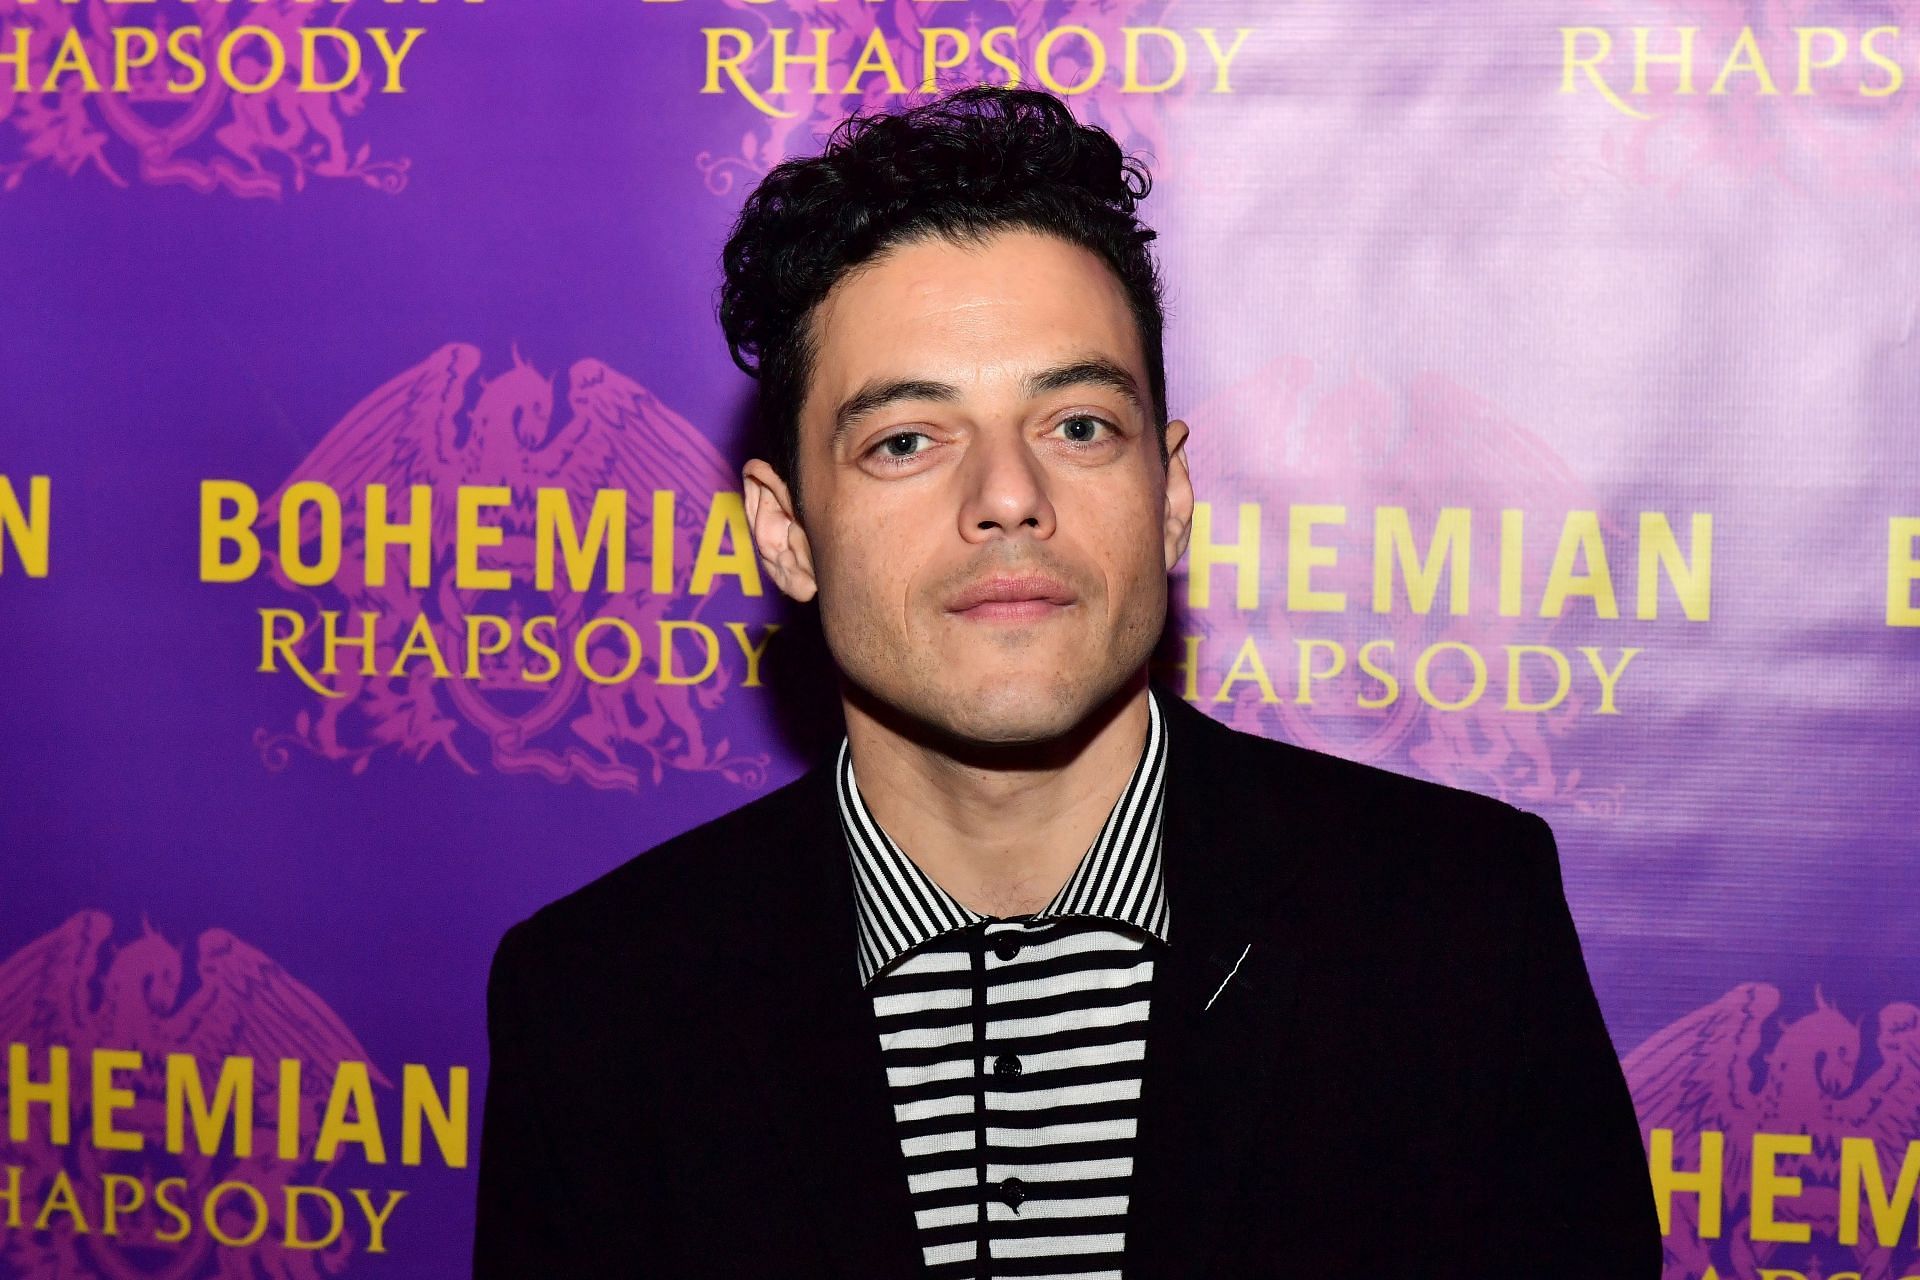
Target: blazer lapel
column 826, row 1080
column 1223, row 993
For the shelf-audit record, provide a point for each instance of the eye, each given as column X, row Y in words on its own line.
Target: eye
column 887, row 457
column 1087, row 417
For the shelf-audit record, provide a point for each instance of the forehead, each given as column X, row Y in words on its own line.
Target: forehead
column 970, row 314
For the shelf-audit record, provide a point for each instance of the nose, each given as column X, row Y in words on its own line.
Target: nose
column 1004, row 488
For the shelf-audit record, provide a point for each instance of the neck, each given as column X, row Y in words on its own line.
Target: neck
column 1000, row 826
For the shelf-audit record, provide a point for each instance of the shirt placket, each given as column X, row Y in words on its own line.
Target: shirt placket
column 994, row 1068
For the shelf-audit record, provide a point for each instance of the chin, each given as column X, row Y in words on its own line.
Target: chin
column 1004, row 707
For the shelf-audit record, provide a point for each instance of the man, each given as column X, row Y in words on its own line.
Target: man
column 1044, row 972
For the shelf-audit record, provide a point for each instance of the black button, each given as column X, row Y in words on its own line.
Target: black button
column 1006, row 1065
column 1012, row 1192
column 1006, row 948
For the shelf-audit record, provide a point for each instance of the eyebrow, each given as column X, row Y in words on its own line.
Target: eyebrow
column 1095, row 371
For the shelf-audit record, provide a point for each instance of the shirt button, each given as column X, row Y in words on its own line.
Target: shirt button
column 1006, row 948
column 1006, row 1065
column 1012, row 1192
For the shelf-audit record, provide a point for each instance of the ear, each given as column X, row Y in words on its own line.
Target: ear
column 777, row 534
column 1179, row 494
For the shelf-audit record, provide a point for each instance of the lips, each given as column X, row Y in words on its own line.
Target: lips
column 1012, row 590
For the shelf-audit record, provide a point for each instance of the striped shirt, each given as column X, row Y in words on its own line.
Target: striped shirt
column 1013, row 1046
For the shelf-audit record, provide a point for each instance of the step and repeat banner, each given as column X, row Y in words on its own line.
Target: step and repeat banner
column 373, row 562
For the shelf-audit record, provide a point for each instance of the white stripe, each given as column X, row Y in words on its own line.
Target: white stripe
column 942, row 1180
column 1061, row 1170
column 926, row 1037
column 1038, row 1206
column 1069, row 1020
column 947, row 1216
column 928, row 1073
column 961, row 1251
column 1047, row 1135
column 1047, row 1246
column 921, row 1002
column 1092, row 1055
column 935, row 962
column 1071, row 1095
column 935, row 1143
column 1075, row 983
column 921, row 1109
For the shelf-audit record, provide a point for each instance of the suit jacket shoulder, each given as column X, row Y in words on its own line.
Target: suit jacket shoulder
column 1366, row 825
column 698, row 893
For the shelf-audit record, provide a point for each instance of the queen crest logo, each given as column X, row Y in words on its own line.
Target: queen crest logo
column 249, row 100
column 1411, row 576
column 182, row 1115
column 517, row 570
column 1787, row 1149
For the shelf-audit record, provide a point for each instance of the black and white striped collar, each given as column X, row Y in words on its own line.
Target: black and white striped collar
column 899, row 907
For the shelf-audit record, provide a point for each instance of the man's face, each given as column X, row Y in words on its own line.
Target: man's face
column 968, row 420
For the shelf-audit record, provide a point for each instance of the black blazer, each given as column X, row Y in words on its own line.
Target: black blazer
column 1408, row 1076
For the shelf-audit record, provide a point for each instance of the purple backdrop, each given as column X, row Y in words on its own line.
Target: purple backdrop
column 1497, row 357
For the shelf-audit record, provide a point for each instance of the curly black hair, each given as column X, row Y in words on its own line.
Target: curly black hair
column 962, row 167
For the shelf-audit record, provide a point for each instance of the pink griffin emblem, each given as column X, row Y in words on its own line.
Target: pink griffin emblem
column 77, row 988
column 1712, row 1071
column 432, row 426
column 208, row 139
column 1292, row 436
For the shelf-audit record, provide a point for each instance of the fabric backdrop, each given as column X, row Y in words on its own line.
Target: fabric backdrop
column 1553, row 388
